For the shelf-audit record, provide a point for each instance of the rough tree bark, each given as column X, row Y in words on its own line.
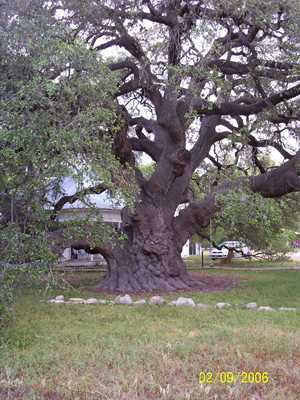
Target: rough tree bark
column 151, row 258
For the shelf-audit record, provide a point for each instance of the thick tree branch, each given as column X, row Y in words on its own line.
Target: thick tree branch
column 279, row 181
column 154, row 15
column 125, row 64
column 98, row 189
column 207, row 137
column 194, row 217
column 142, row 143
column 234, row 108
column 59, row 242
column 272, row 70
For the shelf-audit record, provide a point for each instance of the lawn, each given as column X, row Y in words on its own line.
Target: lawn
column 120, row 352
column 194, row 262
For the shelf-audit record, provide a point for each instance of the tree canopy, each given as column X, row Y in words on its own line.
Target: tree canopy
column 57, row 119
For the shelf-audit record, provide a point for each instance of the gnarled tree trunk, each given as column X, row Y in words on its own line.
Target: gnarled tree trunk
column 151, row 259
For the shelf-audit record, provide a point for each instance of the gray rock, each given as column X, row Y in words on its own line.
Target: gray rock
column 91, row 301
column 202, row 305
column 140, row 302
column 76, row 300
column 60, row 297
column 123, row 299
column 54, row 301
column 101, row 301
column 156, row 300
column 221, row 306
column 251, row 306
column 184, row 302
column 265, row 308
column 287, row 309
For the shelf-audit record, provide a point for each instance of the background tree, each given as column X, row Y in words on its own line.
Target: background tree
column 266, row 225
column 56, row 106
column 191, row 75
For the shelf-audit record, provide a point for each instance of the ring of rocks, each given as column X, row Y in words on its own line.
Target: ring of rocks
column 159, row 301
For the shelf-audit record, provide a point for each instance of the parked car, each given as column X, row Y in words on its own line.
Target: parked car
column 240, row 250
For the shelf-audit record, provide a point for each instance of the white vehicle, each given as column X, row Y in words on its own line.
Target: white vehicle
column 240, row 250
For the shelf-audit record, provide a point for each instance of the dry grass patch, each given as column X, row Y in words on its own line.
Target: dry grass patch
column 153, row 352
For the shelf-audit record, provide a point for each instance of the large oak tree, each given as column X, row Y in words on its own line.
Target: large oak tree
column 191, row 75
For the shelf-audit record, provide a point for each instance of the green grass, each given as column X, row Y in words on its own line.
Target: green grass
column 153, row 352
column 194, row 262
